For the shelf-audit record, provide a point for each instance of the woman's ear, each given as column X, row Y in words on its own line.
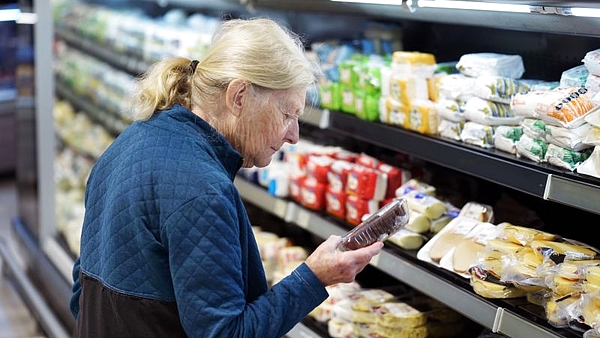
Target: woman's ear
column 236, row 94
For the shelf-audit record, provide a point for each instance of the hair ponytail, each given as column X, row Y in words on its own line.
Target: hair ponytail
column 166, row 83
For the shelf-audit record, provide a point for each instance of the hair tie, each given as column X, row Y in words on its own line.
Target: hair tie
column 193, row 66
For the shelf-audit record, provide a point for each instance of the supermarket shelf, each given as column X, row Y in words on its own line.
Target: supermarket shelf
column 111, row 122
column 415, row 275
column 543, row 181
column 127, row 63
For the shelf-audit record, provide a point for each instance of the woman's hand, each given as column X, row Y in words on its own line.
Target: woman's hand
column 331, row 265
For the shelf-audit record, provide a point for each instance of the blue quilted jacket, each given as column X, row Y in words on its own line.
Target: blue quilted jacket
column 167, row 248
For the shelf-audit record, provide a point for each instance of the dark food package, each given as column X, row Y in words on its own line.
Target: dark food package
column 378, row 227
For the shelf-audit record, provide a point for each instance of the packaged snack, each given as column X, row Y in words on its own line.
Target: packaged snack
column 378, row 227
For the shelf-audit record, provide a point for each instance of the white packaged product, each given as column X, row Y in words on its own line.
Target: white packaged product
column 591, row 166
column 498, row 88
column 532, row 149
column 565, row 158
column 563, row 106
column 591, row 61
column 478, row 64
column 574, row 77
column 489, row 112
column 478, row 134
column 506, row 137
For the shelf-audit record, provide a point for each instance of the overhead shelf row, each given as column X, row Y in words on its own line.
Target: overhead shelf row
column 538, row 16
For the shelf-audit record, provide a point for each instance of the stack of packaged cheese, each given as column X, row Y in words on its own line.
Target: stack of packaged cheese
column 353, row 312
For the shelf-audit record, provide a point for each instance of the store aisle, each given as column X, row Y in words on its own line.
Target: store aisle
column 16, row 321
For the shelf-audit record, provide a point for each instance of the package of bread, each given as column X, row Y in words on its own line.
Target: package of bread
column 472, row 246
column 398, row 315
column 440, row 244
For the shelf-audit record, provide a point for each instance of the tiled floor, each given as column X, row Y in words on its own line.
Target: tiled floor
column 16, row 321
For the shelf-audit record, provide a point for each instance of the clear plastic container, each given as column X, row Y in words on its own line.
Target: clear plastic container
column 378, row 227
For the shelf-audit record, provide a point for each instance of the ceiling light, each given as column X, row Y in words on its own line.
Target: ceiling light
column 9, row 14
column 374, row 2
column 474, row 5
column 587, row 12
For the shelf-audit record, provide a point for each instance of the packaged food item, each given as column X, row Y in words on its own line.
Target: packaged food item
column 378, row 227
column 486, row 63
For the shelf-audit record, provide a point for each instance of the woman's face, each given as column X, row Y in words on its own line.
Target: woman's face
column 271, row 120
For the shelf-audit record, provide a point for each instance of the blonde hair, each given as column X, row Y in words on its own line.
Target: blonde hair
column 258, row 50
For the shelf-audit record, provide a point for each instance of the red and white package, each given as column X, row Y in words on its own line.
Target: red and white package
column 335, row 203
column 313, row 194
column 338, row 175
column 395, row 178
column 366, row 183
column 367, row 160
column 357, row 207
column 318, row 167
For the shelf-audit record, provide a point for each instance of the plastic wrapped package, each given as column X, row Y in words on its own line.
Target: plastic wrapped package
column 487, row 286
column 563, row 106
column 495, row 64
column 591, row 61
column 531, row 148
column 407, row 239
column 478, row 134
column 506, row 138
column 378, row 227
column 498, row 88
column 591, row 166
column 566, row 158
column 489, row 112
column 574, row 77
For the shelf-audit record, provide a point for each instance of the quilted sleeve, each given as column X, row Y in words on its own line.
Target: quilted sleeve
column 208, row 260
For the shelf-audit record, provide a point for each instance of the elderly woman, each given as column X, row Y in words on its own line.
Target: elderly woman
column 167, row 248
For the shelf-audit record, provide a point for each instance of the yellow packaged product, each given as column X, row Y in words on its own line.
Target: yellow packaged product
column 343, row 310
column 486, row 286
column 592, row 275
column 398, row 315
column 471, row 247
column 363, row 300
column 417, row 222
column 423, row 117
column 577, row 269
column 562, row 286
column 559, row 251
column 391, row 332
column 557, row 309
column 523, row 235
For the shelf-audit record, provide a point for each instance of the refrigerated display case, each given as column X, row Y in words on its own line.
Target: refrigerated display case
column 548, row 35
